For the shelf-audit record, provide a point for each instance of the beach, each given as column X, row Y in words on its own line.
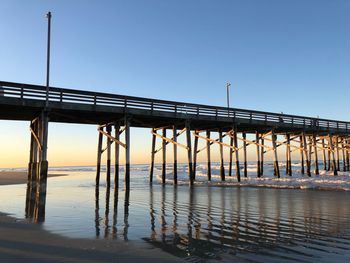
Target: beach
column 9, row 177
column 22, row 241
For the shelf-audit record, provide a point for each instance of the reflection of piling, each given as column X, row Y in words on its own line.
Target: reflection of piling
column 115, row 213
column 126, row 214
column 152, row 216
column 97, row 211
column 108, row 189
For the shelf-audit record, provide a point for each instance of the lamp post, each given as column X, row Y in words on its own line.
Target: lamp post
column 228, row 93
column 228, row 97
column 48, row 16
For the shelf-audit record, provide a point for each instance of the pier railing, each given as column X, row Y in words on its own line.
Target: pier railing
column 61, row 95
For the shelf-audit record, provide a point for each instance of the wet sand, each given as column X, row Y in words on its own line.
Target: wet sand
column 22, row 241
column 7, row 178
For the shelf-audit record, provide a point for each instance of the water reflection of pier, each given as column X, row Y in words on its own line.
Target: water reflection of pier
column 35, row 200
column 212, row 222
column 216, row 222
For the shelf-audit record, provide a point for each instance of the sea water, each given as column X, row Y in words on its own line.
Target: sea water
column 260, row 219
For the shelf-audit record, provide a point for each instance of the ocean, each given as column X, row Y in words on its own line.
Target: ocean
column 258, row 220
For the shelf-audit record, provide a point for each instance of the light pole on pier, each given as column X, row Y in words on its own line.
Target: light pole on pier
column 48, row 16
column 228, row 93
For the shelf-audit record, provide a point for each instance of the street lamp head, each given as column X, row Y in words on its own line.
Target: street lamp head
column 48, row 15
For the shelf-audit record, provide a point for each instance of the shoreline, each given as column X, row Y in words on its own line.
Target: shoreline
column 22, row 241
column 11, row 178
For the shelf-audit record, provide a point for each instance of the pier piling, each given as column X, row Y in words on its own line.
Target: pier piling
column 222, row 168
column 208, row 156
column 244, row 135
column 175, row 154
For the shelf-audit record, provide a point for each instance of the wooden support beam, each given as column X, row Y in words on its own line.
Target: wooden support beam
column 230, row 157
column 127, row 154
column 279, row 143
column 195, row 148
column 288, row 156
column 262, row 142
column 347, row 156
column 43, row 166
column 310, row 143
column 258, row 165
column 337, row 152
column 99, row 155
column 151, row 170
column 334, row 164
column 235, row 141
column 32, row 171
column 244, row 135
column 164, row 156
column 329, row 151
column 208, row 156
column 249, row 142
column 108, row 174
column 211, row 142
column 317, row 172
column 302, row 170
column 217, row 141
column 189, row 153
column 342, row 143
column 275, row 155
column 110, row 137
column 175, row 154
column 173, row 138
column 324, row 155
column 36, row 138
column 308, row 167
column 169, row 140
column 222, row 168
column 116, row 156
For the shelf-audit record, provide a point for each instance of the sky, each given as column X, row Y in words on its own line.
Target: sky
column 279, row 56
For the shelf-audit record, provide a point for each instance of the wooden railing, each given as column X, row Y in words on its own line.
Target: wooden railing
column 36, row 92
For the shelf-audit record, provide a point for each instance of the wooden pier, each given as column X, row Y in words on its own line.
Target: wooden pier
column 114, row 115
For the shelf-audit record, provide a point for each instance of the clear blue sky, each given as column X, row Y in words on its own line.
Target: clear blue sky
column 290, row 56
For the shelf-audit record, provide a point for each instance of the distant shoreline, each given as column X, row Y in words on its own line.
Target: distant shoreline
column 10, row 178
